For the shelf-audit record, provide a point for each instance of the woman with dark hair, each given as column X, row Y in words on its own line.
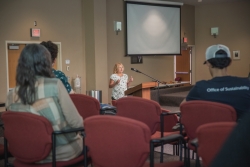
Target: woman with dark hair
column 53, row 49
column 38, row 92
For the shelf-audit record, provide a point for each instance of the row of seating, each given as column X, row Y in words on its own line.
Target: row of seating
column 193, row 115
column 33, row 125
column 117, row 141
column 158, row 119
column 137, row 124
column 210, row 139
column 196, row 113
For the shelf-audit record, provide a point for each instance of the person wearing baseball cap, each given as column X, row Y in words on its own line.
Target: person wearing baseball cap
column 223, row 88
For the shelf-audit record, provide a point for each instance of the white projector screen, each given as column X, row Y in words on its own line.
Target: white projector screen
column 153, row 29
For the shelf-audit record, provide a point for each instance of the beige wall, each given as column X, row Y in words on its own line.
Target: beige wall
column 94, row 14
column 158, row 67
column 59, row 21
column 85, row 29
column 234, row 25
column 188, row 23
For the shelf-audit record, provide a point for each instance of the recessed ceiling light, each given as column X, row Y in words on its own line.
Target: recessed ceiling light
column 199, row 0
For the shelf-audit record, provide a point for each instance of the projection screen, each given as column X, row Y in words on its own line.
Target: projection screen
column 153, row 29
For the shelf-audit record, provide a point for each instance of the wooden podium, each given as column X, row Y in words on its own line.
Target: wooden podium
column 141, row 90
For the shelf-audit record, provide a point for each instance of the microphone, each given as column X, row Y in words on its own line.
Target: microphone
column 133, row 69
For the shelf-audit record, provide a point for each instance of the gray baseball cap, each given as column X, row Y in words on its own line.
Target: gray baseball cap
column 217, row 51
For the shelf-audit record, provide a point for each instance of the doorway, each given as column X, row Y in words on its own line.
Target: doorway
column 13, row 51
column 184, row 65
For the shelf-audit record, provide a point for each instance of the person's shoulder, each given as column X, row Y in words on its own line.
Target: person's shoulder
column 49, row 81
column 58, row 72
column 200, row 85
column 239, row 79
column 202, row 82
column 48, row 87
column 53, row 79
column 113, row 75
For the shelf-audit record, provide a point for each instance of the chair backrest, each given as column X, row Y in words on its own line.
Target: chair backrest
column 113, row 102
column 211, row 137
column 197, row 112
column 28, row 135
column 115, row 141
column 86, row 105
column 147, row 111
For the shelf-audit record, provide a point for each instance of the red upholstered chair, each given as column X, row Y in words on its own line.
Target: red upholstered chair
column 30, row 138
column 210, row 138
column 115, row 141
column 169, row 122
column 1, row 151
column 113, row 103
column 2, row 147
column 197, row 112
column 86, row 105
column 150, row 113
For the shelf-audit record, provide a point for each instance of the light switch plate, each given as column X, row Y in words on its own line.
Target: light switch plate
column 67, row 61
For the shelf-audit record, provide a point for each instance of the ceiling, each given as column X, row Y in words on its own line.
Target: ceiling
column 203, row 2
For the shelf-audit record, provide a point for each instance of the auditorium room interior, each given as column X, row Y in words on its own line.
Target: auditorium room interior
column 92, row 37
column 85, row 32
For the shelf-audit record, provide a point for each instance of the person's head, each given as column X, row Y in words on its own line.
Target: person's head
column 53, row 49
column 34, row 60
column 218, row 56
column 118, row 68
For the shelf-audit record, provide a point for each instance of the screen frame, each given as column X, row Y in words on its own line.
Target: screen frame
column 150, row 4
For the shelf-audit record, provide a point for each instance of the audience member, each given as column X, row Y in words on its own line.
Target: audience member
column 53, row 49
column 222, row 88
column 38, row 92
column 119, row 81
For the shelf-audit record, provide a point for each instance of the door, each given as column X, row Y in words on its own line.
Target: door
column 13, row 56
column 183, row 65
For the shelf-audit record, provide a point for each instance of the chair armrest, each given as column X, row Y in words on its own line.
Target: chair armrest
column 195, row 143
column 178, row 113
column 69, row 131
column 167, row 139
column 167, row 112
column 163, row 114
column 54, row 141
